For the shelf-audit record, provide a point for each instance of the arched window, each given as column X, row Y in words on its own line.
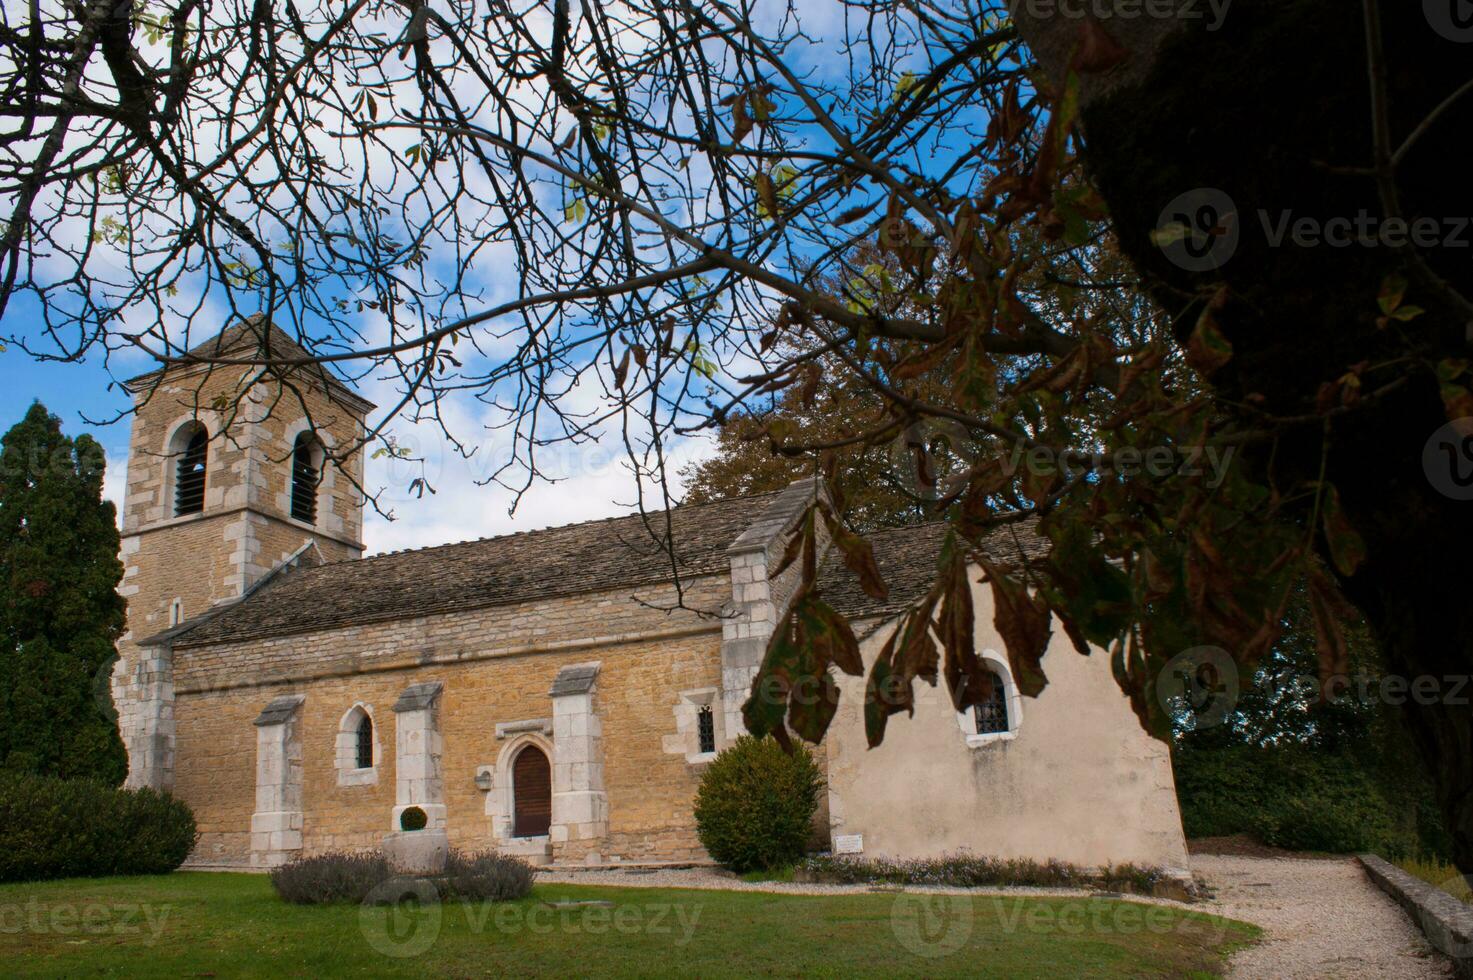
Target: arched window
column 364, row 749
column 306, row 472
column 990, row 717
column 995, row 712
column 357, row 752
column 191, row 446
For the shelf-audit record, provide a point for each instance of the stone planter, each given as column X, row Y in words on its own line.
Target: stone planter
column 417, row 852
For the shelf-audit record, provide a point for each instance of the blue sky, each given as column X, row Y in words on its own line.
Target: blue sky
column 595, row 483
column 594, row 479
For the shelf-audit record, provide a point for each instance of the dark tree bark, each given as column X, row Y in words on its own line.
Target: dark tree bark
column 1275, row 109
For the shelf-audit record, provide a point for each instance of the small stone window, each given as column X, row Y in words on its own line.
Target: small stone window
column 706, row 729
column 306, row 473
column 991, row 716
column 364, row 753
column 698, row 726
column 996, row 713
column 357, row 755
column 191, row 445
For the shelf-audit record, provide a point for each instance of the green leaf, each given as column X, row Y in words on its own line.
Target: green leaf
column 903, row 85
column 1393, row 291
column 1347, row 547
column 575, row 211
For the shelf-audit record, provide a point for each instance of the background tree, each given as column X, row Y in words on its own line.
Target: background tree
column 680, row 189
column 758, row 449
column 60, row 612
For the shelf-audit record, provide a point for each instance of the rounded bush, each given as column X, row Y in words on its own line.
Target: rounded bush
column 78, row 828
column 755, row 806
column 413, row 819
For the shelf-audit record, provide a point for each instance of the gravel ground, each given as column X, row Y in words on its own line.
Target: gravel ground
column 1322, row 918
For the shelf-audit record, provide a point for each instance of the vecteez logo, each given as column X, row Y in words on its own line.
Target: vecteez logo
column 1453, row 19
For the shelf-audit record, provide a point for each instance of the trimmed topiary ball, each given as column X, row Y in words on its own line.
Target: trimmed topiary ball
column 755, row 807
column 413, row 818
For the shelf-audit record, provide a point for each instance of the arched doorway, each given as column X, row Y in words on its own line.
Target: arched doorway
column 531, row 780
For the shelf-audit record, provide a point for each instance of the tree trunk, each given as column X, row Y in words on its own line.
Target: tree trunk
column 1273, row 111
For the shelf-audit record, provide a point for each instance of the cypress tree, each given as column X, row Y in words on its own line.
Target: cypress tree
column 60, row 612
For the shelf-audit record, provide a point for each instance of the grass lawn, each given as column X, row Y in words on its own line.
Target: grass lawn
column 232, row 925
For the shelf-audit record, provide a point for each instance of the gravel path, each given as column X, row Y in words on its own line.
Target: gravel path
column 1322, row 918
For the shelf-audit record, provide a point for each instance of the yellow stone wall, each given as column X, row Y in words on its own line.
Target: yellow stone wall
column 497, row 665
column 245, row 528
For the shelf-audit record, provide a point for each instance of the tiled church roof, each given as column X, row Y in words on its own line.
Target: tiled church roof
column 595, row 556
column 907, row 560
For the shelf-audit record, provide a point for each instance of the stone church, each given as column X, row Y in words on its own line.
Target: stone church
column 542, row 693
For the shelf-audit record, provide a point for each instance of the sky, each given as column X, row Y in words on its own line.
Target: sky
column 592, row 480
column 595, row 481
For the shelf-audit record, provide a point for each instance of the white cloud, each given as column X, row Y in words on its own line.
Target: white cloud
column 115, row 481
column 592, row 481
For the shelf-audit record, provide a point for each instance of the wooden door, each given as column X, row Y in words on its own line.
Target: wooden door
column 531, row 780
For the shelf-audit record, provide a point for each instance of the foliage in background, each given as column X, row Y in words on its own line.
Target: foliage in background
column 1295, row 797
column 80, row 828
column 755, row 805
column 340, row 876
column 60, row 613
column 1303, row 771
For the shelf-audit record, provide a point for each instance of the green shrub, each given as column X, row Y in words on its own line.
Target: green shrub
column 486, row 877
column 339, row 876
column 74, row 828
column 755, row 806
column 332, row 877
column 1294, row 797
column 413, row 818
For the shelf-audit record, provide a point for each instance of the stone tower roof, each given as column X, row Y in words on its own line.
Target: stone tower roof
column 257, row 336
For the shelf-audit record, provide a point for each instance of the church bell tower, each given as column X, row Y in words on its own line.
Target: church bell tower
column 231, row 472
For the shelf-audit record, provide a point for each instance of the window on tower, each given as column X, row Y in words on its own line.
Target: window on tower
column 306, row 473
column 192, row 447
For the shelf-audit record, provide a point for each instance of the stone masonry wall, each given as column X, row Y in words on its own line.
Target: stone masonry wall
column 497, row 666
column 243, row 532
